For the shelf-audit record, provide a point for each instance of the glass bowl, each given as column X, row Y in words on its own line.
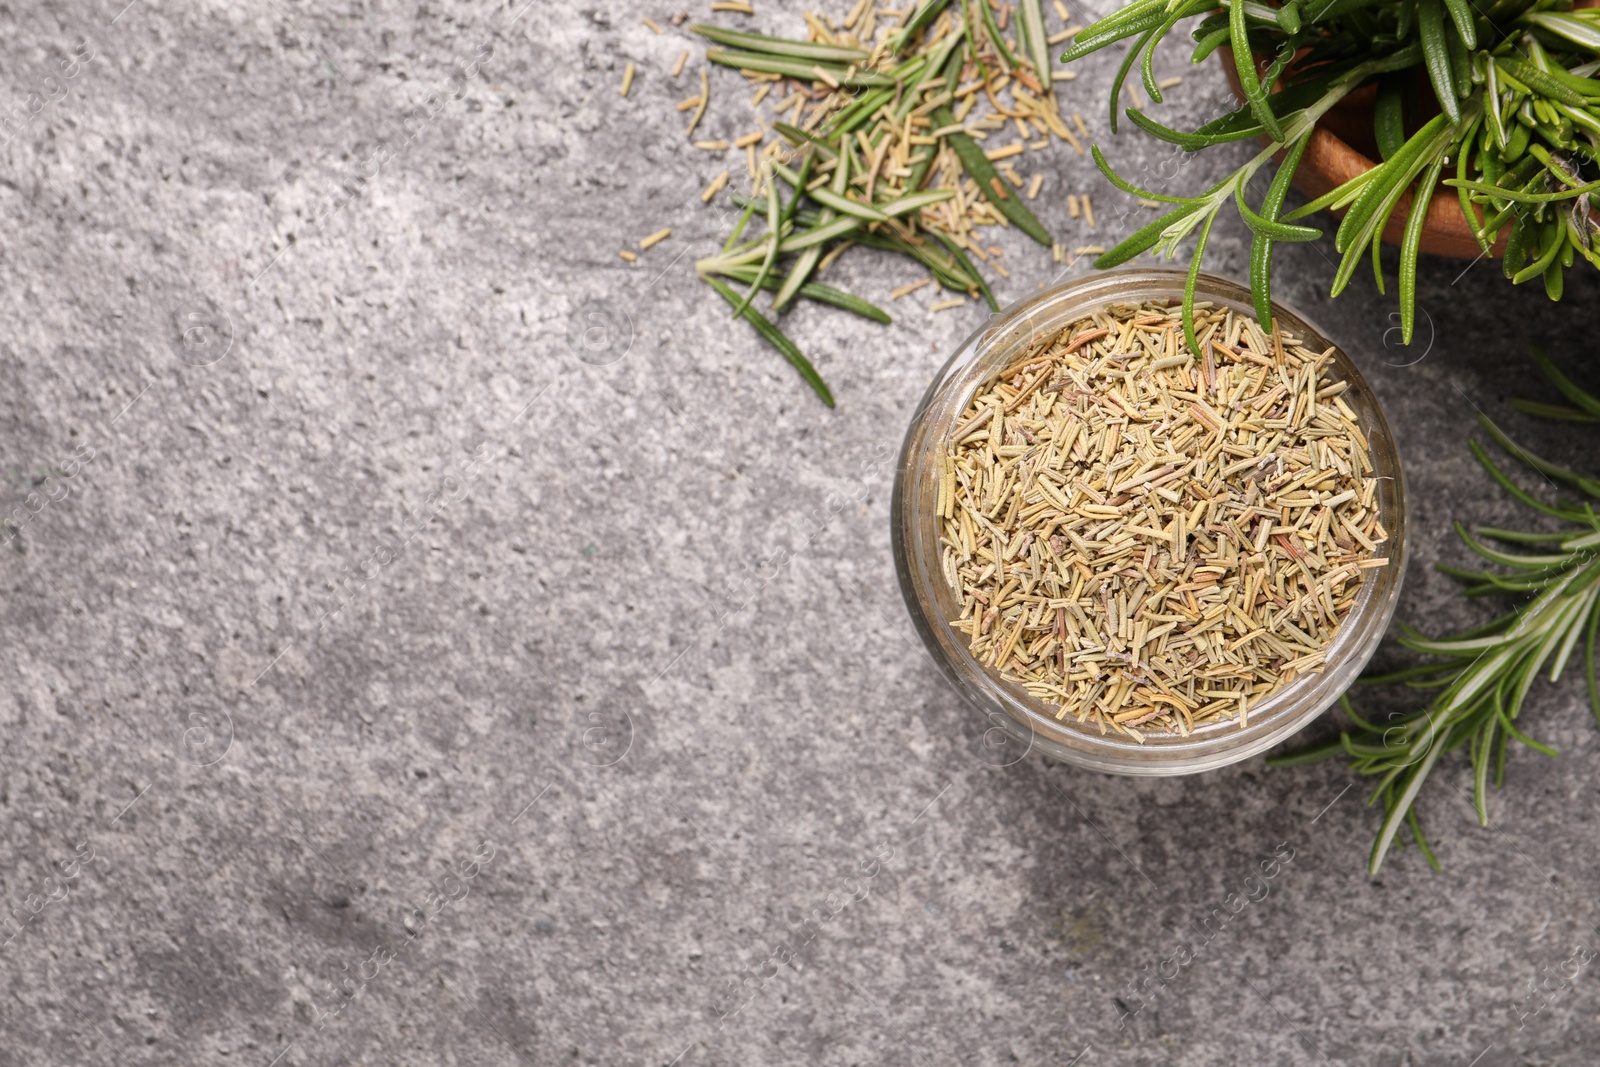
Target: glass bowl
column 1019, row 722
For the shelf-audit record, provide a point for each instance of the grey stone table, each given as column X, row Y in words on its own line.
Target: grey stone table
column 396, row 672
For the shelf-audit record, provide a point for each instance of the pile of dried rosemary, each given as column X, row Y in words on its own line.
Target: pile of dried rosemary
column 879, row 121
column 1147, row 538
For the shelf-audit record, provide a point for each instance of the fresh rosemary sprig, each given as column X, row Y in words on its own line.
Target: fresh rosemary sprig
column 1519, row 125
column 1485, row 673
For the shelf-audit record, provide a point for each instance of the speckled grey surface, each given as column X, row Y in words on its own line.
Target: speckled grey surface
column 392, row 670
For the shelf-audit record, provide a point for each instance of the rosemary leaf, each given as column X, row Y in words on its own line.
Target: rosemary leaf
column 778, row 46
column 796, row 68
column 1030, row 21
column 775, row 337
column 774, row 237
column 989, row 182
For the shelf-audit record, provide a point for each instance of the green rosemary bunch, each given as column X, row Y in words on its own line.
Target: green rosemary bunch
column 1519, row 126
column 1484, row 674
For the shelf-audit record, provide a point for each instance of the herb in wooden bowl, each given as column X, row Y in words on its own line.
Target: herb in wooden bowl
column 1516, row 139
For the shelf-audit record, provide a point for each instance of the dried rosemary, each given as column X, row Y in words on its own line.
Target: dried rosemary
column 1150, row 539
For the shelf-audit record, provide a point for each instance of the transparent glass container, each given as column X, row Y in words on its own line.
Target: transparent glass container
column 1019, row 722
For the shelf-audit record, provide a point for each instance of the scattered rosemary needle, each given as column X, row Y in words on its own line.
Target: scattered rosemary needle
column 1150, row 538
column 909, row 288
column 705, row 102
column 715, row 187
column 884, row 109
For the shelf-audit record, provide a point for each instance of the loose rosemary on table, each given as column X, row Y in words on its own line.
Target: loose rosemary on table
column 1148, row 538
column 879, row 128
